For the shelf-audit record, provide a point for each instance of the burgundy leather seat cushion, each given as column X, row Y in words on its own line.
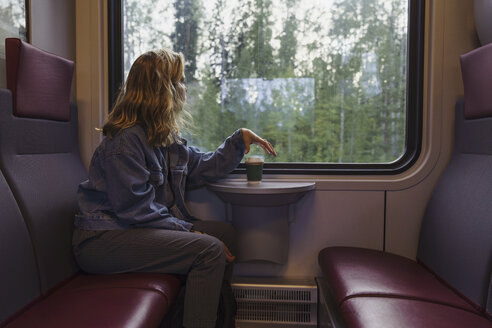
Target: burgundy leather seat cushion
column 124, row 300
column 382, row 312
column 354, row 272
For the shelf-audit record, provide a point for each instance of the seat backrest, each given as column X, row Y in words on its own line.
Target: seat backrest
column 40, row 82
column 39, row 154
column 456, row 233
column 19, row 281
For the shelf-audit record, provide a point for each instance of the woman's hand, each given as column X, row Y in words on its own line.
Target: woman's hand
column 250, row 137
column 228, row 254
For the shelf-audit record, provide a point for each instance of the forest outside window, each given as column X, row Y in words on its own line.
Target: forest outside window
column 328, row 83
column 13, row 21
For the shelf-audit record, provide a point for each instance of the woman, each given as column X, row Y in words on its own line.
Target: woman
column 133, row 216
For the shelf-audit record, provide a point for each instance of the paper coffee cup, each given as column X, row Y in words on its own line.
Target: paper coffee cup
column 254, row 169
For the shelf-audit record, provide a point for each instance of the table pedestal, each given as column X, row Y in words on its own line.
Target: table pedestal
column 262, row 233
column 261, row 215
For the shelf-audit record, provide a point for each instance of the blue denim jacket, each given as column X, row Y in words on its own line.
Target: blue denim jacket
column 130, row 182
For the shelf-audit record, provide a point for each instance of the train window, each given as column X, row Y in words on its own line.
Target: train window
column 334, row 85
column 13, row 21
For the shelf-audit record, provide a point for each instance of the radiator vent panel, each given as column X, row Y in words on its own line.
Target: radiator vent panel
column 273, row 294
column 275, row 312
column 276, row 304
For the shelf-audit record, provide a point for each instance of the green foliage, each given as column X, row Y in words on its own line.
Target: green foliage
column 322, row 85
column 142, row 28
column 185, row 37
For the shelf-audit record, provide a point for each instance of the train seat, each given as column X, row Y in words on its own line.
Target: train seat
column 450, row 283
column 40, row 169
column 19, row 281
column 399, row 312
column 353, row 272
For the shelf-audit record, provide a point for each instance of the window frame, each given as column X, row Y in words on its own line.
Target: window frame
column 414, row 103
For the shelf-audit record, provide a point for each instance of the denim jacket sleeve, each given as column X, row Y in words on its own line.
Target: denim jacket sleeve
column 133, row 197
column 211, row 166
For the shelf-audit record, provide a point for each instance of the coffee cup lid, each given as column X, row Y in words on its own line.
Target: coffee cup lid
column 255, row 159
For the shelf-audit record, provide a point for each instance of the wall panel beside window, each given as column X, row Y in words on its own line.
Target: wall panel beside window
column 91, row 73
column 336, row 86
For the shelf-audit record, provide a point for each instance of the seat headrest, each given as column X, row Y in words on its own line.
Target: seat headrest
column 40, row 82
column 476, row 70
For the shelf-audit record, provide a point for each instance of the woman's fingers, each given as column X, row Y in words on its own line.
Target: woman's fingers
column 252, row 138
column 229, row 256
column 267, row 146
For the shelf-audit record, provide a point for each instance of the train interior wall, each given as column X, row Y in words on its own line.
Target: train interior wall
column 375, row 211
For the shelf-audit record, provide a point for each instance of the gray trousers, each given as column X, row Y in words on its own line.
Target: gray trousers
column 201, row 257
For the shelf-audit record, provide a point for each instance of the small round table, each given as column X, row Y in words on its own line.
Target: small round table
column 261, row 214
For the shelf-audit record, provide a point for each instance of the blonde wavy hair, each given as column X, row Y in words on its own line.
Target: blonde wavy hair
column 153, row 96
